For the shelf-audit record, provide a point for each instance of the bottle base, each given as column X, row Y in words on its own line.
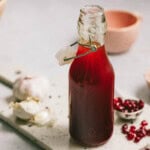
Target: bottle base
column 89, row 144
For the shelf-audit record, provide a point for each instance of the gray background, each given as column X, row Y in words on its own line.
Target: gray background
column 32, row 31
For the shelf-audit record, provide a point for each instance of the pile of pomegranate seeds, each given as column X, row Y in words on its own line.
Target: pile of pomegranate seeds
column 136, row 134
column 127, row 105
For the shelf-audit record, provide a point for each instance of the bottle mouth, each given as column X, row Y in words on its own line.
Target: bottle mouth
column 92, row 9
column 91, row 24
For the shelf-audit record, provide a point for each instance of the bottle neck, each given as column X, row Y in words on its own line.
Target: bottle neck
column 92, row 25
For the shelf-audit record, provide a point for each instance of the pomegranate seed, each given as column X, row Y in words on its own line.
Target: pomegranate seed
column 127, row 103
column 118, row 99
column 133, row 105
column 144, row 133
column 130, row 136
column 125, row 128
column 144, row 123
column 132, row 129
column 116, row 105
column 148, row 132
column 136, row 109
column 120, row 108
column 137, row 139
column 141, row 133
column 141, row 104
column 142, row 128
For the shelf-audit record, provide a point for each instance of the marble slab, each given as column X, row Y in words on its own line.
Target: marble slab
column 57, row 137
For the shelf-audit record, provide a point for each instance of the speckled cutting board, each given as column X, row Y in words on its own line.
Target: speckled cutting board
column 57, row 137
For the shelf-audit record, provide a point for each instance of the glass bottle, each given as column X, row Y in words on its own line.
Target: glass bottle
column 91, row 82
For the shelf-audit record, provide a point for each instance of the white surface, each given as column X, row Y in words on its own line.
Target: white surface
column 32, row 31
column 57, row 137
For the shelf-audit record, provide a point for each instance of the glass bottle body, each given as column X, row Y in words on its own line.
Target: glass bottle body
column 91, row 91
column 91, row 82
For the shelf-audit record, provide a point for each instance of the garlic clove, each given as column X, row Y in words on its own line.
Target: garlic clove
column 44, row 117
column 65, row 52
column 31, row 86
column 25, row 110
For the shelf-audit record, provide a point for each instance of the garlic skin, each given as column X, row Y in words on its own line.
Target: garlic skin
column 65, row 52
column 44, row 117
column 34, row 87
column 26, row 110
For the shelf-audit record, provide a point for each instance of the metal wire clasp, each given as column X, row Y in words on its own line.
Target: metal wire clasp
column 93, row 48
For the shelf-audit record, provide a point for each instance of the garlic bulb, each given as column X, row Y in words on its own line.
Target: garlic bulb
column 44, row 117
column 26, row 110
column 65, row 53
column 34, row 87
column 31, row 91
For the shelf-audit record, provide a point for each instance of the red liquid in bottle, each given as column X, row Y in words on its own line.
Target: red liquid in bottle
column 91, row 91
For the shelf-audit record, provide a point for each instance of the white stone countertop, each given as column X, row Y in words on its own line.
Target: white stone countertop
column 31, row 31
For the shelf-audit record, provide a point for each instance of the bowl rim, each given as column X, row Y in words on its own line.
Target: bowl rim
column 147, row 75
column 130, row 113
column 2, row 4
column 134, row 14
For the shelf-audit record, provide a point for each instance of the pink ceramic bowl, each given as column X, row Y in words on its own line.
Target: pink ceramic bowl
column 2, row 6
column 147, row 78
column 122, row 30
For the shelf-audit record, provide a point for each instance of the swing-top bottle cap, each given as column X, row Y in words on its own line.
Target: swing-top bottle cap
column 92, row 24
